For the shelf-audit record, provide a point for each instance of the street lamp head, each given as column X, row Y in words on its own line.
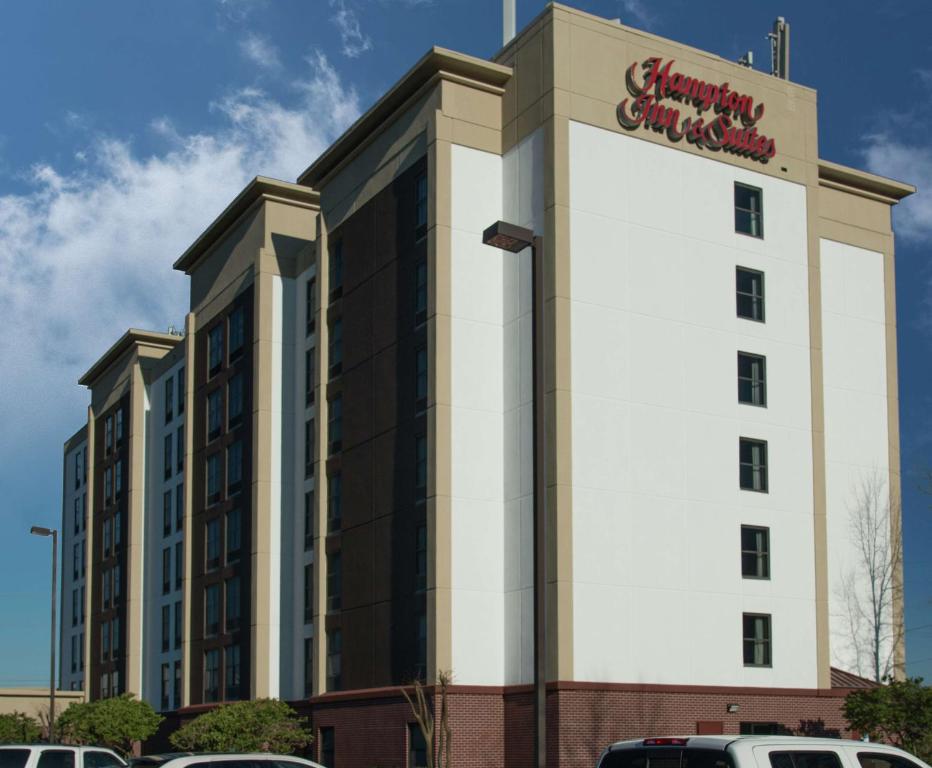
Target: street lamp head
column 508, row 237
column 38, row 530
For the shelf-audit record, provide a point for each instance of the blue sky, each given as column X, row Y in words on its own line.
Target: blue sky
column 129, row 126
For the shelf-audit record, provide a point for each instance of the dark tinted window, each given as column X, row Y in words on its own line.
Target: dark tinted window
column 229, row 764
column 878, row 760
column 100, row 760
column 666, row 757
column 13, row 758
column 56, row 758
column 794, row 759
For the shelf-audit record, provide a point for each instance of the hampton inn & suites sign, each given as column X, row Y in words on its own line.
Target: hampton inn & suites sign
column 725, row 119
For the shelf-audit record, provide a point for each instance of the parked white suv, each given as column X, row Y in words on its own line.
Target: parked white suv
column 753, row 752
column 57, row 756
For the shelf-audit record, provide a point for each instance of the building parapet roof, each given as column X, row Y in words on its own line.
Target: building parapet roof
column 126, row 342
column 260, row 188
column 863, row 183
column 436, row 61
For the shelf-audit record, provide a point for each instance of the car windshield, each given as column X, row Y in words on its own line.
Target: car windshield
column 667, row 757
column 13, row 758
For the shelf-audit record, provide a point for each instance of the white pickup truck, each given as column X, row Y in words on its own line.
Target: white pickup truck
column 57, row 756
column 753, row 752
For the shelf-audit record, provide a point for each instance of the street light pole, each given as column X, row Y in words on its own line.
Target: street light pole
column 510, row 237
column 40, row 531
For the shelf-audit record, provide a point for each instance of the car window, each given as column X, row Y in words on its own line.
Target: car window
column 13, row 758
column 56, row 758
column 226, row 764
column 666, row 757
column 879, row 760
column 287, row 764
column 101, row 760
column 800, row 759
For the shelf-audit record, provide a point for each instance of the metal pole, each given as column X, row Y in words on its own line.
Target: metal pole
column 538, row 407
column 52, row 673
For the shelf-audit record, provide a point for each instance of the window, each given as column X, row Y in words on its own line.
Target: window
column 420, row 558
column 309, row 448
column 105, row 641
column 308, row 666
column 179, row 507
column 234, row 401
column 76, row 553
column 308, row 521
column 756, row 639
column 417, row 747
column 108, row 534
column 118, row 478
column 753, row 460
column 420, row 292
column 763, row 729
column 826, row 758
column 420, row 379
column 105, row 588
column 232, row 604
column 74, row 653
column 752, row 379
column 755, row 552
column 336, row 347
column 115, row 624
column 166, row 628
column 212, row 675
column 84, row 511
column 335, row 424
column 749, row 210
column 108, row 485
column 237, row 332
column 179, row 449
column 178, row 625
column 231, row 689
column 308, row 593
column 119, row 425
column 878, row 760
column 334, row 661
column 105, row 686
column 108, row 435
column 101, row 760
column 117, row 582
column 213, row 543
column 213, row 478
column 115, row 683
column 180, row 380
column 212, row 609
column 334, row 502
column 75, row 610
column 166, row 513
column 420, row 467
column 78, row 468
column 749, row 291
column 167, row 456
column 176, row 691
column 166, row 570
column 179, row 563
column 166, row 681
column 336, row 270
column 83, row 602
column 420, row 664
column 84, row 465
column 117, row 529
column 233, row 535
column 54, row 758
column 215, row 349
column 214, row 413
column 309, row 377
column 420, row 206
column 234, row 468
column 169, row 400
column 334, row 581
column 78, row 513
column 310, row 306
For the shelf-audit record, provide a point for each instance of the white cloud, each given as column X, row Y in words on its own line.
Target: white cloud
column 903, row 160
column 354, row 42
column 637, row 12
column 86, row 254
column 261, row 52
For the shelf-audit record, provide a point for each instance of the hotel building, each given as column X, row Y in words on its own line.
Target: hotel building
column 324, row 488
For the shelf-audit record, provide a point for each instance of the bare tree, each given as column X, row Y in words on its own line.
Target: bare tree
column 871, row 591
column 438, row 754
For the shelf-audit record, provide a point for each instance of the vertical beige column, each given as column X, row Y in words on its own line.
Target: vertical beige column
column 893, row 455
column 320, row 460
column 439, row 442
column 817, row 390
column 190, row 327
column 89, row 561
column 135, row 513
column 262, row 472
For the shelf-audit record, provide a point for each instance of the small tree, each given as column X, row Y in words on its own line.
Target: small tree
column 263, row 725
column 19, row 728
column 116, row 723
column 436, row 738
column 899, row 713
column 872, row 588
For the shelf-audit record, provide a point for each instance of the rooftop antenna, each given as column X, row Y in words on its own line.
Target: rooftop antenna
column 509, row 21
column 780, row 49
column 747, row 60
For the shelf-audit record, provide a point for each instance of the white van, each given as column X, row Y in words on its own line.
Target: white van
column 754, row 752
column 57, row 756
